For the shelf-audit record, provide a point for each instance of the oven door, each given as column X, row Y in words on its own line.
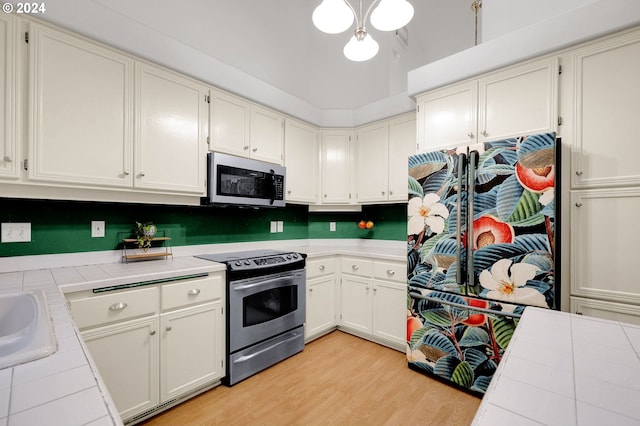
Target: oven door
column 265, row 306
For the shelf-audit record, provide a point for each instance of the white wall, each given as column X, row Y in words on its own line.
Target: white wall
column 500, row 17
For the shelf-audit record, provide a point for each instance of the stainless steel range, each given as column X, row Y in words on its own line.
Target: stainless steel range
column 265, row 309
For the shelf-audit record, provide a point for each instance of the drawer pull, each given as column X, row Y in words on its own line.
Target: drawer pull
column 355, row 267
column 152, row 333
column 117, row 306
column 194, row 292
column 321, row 267
column 169, row 328
column 391, row 272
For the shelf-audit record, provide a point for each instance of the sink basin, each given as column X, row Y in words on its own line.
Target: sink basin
column 26, row 333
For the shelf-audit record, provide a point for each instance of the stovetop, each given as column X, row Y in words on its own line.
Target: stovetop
column 256, row 259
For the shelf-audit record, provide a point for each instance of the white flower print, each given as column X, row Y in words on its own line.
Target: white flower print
column 427, row 211
column 510, row 287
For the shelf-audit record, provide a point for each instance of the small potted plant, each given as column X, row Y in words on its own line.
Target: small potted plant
column 144, row 233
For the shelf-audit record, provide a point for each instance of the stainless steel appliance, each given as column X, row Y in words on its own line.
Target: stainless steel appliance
column 244, row 182
column 265, row 309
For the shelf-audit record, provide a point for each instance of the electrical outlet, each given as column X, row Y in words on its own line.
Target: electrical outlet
column 273, row 227
column 332, row 227
column 16, row 232
column 97, row 228
column 280, row 226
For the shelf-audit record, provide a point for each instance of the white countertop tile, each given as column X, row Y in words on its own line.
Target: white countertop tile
column 608, row 396
column 588, row 415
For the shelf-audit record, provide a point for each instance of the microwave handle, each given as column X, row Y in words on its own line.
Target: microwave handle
column 273, row 186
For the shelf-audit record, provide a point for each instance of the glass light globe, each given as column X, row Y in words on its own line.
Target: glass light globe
column 391, row 15
column 332, row 16
column 361, row 47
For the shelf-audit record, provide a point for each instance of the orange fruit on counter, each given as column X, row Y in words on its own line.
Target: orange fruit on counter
column 362, row 224
column 369, row 225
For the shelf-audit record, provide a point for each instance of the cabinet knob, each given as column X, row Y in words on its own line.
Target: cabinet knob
column 391, row 272
column 117, row 306
column 246, row 147
column 578, row 313
column 7, row 159
column 382, row 192
column 126, row 173
column 484, row 133
column 194, row 292
column 152, row 332
column 254, row 149
column 289, row 192
column 578, row 204
column 470, row 135
column 578, row 172
column 310, row 290
column 321, row 267
column 390, row 192
column 325, row 195
column 367, row 289
column 169, row 328
column 140, row 175
column 374, row 290
column 355, row 268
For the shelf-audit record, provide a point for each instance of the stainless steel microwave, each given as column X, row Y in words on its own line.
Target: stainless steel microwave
column 244, row 182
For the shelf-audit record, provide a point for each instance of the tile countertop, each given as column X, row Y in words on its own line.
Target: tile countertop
column 65, row 387
column 566, row 369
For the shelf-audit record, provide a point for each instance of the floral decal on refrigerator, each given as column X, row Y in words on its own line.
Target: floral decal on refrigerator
column 513, row 255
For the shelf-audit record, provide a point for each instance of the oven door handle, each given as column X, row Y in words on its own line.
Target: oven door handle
column 256, row 284
column 246, row 358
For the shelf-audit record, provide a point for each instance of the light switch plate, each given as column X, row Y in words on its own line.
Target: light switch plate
column 332, row 227
column 97, row 228
column 273, row 227
column 280, row 226
column 16, row 232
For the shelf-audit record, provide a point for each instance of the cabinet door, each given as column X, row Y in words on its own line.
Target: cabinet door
column 448, row 117
column 517, row 101
column 606, row 310
column 126, row 355
column 80, row 107
column 335, row 171
column 389, row 308
column 192, row 349
column 603, row 247
column 171, row 129
column 402, row 144
column 607, row 88
column 321, row 306
column 301, row 160
column 356, row 304
column 267, row 135
column 229, row 124
column 372, row 162
column 9, row 157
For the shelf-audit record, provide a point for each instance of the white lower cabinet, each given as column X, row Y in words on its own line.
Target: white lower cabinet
column 606, row 310
column 373, row 300
column 321, row 297
column 154, row 344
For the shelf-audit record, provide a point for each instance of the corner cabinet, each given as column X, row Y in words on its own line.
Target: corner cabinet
column 9, row 153
column 518, row 100
column 301, row 161
column 336, row 166
column 155, row 344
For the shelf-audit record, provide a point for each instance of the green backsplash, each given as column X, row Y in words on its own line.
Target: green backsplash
column 65, row 226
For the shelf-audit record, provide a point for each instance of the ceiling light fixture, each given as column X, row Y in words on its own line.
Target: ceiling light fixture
column 336, row 16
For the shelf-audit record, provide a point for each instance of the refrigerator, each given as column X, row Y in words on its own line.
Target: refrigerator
column 481, row 247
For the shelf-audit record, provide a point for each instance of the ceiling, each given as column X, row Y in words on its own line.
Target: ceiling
column 275, row 42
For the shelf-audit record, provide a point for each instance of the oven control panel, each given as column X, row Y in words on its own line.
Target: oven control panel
column 264, row 262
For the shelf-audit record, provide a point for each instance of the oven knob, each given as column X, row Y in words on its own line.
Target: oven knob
column 295, row 255
column 288, row 257
column 247, row 262
column 238, row 263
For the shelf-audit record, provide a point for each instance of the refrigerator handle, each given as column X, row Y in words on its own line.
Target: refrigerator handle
column 462, row 160
column 471, row 181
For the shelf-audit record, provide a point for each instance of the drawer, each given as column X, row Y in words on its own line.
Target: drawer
column 117, row 306
column 191, row 291
column 323, row 266
column 357, row 266
column 390, row 271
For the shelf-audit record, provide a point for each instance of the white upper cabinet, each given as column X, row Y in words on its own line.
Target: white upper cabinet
column 336, row 166
column 171, row 129
column 81, row 97
column 238, row 127
column 606, row 85
column 229, row 124
column 267, row 135
column 448, row 117
column 9, row 154
column 519, row 100
column 402, row 144
column 516, row 101
column 301, row 161
column 372, row 162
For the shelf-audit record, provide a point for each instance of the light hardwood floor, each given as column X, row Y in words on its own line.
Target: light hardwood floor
column 338, row 379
